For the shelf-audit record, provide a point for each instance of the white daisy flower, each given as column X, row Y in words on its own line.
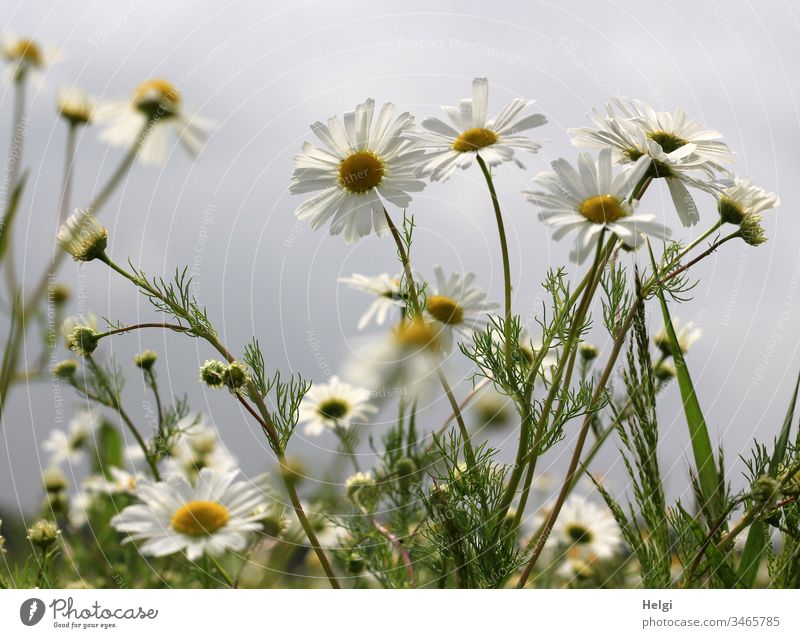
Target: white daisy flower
column 197, row 447
column 26, row 57
column 586, row 530
column 363, row 163
column 494, row 140
column 385, row 288
column 456, row 306
column 687, row 335
column 743, row 198
column 160, row 103
column 592, row 198
column 120, row 482
column 70, row 446
column 75, row 105
column 335, row 404
column 401, row 361
column 216, row 514
column 679, row 147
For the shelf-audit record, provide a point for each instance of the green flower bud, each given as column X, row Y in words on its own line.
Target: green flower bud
column 65, row 369
column 43, row 533
column 765, row 491
column 405, row 470
column 588, row 351
column 145, row 360
column 665, row 371
column 211, row 373
column 235, row 376
column 57, row 503
column 751, row 231
column 363, row 491
column 54, row 480
column 355, row 563
column 83, row 341
column 60, row 294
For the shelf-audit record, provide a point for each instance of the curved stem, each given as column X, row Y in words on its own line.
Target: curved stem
column 260, row 414
column 506, row 262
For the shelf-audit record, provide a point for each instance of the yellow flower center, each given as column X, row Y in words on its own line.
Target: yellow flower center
column 602, row 209
column 445, row 309
column 157, row 97
column 200, row 518
column 416, row 335
column 333, row 408
column 667, row 141
column 474, row 139
column 361, row 172
column 28, row 51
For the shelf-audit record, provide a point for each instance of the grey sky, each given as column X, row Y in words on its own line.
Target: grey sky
column 265, row 71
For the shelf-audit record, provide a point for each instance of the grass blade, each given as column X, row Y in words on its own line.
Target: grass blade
column 705, row 462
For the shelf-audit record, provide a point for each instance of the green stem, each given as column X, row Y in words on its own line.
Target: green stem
column 469, row 452
column 14, row 165
column 539, row 539
column 69, row 162
column 601, row 256
column 222, row 571
column 262, row 416
column 116, row 403
column 506, row 262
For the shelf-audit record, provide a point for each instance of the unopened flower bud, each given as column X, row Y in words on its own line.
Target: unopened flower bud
column 60, row 294
column 751, row 231
column 43, row 533
column 211, row 373
column 665, row 370
column 363, row 491
column 83, row 341
column 588, row 351
column 355, row 563
column 65, row 369
column 145, row 360
column 765, row 491
column 54, row 480
column 235, row 376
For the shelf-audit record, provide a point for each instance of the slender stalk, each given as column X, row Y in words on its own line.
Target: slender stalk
column 469, row 452
column 540, row 538
column 139, row 326
column 14, row 166
column 69, row 162
column 28, row 308
column 401, row 549
column 506, row 262
column 261, row 415
column 117, row 405
column 222, row 571
column 600, row 259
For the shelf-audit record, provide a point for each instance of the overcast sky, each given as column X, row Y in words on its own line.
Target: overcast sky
column 264, row 71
